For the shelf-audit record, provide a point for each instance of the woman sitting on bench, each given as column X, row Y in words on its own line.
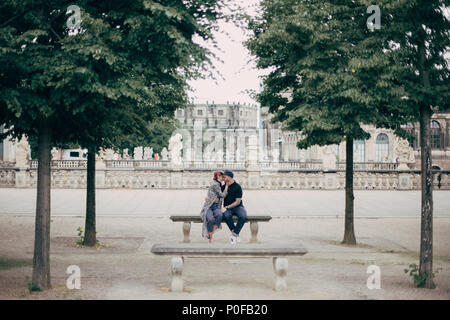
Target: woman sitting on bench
column 211, row 214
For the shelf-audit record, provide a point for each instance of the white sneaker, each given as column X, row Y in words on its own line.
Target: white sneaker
column 238, row 239
column 233, row 239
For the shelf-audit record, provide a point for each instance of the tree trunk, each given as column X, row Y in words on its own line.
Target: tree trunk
column 426, row 230
column 41, row 258
column 90, row 233
column 349, row 234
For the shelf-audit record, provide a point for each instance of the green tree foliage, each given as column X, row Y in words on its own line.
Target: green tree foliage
column 315, row 84
column 126, row 65
column 416, row 38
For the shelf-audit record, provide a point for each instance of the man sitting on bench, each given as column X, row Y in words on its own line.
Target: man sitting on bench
column 233, row 206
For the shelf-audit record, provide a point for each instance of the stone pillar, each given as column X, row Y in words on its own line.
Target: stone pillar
column 177, row 274
column 404, row 181
column 280, row 266
column 253, row 169
column 330, row 180
column 22, row 178
column 100, row 174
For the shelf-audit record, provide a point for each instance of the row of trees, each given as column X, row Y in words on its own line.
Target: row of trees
column 98, row 84
column 330, row 73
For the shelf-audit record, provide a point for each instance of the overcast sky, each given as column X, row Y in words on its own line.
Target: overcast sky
column 238, row 72
column 238, row 68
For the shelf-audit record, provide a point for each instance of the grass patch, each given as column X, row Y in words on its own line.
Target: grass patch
column 7, row 263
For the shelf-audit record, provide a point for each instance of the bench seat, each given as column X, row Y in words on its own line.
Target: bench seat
column 278, row 252
column 188, row 219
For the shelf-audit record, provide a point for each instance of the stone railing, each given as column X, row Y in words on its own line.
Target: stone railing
column 144, row 164
column 291, row 165
column 66, row 164
column 266, row 176
column 369, row 165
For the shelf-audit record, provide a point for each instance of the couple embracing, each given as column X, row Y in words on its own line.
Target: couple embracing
column 224, row 200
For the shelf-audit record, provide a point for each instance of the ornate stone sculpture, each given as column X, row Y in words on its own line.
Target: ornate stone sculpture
column 148, row 153
column 175, row 147
column 165, row 154
column 404, row 153
column 138, row 153
column 22, row 153
column 55, row 153
column 110, row 154
column 126, row 156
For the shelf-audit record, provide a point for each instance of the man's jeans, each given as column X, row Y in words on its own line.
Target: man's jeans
column 241, row 213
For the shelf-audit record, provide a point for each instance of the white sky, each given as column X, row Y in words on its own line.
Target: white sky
column 237, row 68
column 238, row 72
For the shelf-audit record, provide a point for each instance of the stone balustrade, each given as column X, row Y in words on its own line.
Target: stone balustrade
column 148, row 174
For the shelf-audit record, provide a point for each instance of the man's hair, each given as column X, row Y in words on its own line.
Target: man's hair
column 228, row 173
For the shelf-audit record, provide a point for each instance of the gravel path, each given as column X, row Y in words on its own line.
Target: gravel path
column 127, row 270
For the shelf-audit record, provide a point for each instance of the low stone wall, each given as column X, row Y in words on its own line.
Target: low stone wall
column 269, row 179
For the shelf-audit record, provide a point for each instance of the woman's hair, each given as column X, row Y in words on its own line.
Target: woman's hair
column 217, row 174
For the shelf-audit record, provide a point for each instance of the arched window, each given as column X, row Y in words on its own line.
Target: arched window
column 382, row 148
column 435, row 134
column 359, row 151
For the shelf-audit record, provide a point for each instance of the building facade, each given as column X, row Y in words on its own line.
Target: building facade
column 381, row 147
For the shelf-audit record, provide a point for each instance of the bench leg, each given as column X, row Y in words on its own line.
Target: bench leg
column 177, row 271
column 254, row 230
column 280, row 266
column 186, row 231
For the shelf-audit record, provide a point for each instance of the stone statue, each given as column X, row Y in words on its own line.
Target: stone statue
column 329, row 158
column 148, row 153
column 138, row 151
column 23, row 155
column 175, row 147
column 100, row 158
column 404, row 152
column 110, row 154
column 165, row 154
column 126, row 156
column 55, row 153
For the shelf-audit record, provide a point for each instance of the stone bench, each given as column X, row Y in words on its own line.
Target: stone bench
column 187, row 220
column 278, row 252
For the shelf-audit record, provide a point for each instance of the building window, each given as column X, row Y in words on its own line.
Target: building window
column 199, row 112
column 382, row 148
column 435, row 135
column 359, row 151
column 220, row 112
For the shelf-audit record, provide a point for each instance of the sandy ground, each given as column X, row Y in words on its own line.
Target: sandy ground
column 127, row 270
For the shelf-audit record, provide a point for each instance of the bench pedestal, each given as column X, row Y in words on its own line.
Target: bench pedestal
column 254, row 231
column 280, row 265
column 177, row 274
column 254, row 228
column 186, row 231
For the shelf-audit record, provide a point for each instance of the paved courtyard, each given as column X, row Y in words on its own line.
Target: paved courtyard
column 163, row 203
column 131, row 221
